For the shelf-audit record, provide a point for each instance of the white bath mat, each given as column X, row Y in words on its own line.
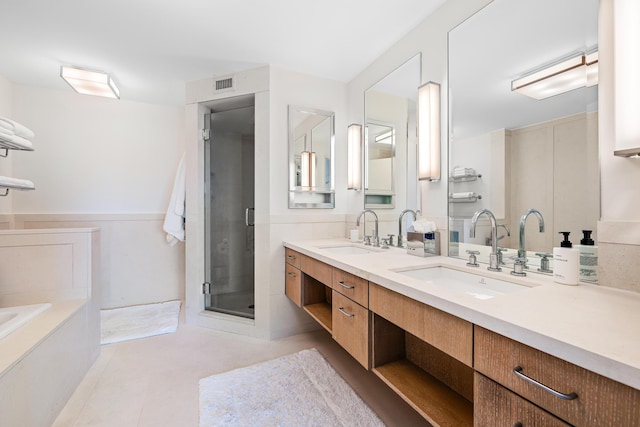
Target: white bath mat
column 301, row 389
column 140, row 321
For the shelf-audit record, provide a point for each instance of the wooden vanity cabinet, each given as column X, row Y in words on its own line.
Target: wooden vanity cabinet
column 424, row 355
column 598, row 401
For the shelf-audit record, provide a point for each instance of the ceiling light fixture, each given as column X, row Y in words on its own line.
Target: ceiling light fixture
column 429, row 132
column 90, row 82
column 569, row 74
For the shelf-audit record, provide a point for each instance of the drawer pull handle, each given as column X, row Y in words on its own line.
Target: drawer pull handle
column 291, row 257
column 518, row 424
column 341, row 310
column 291, row 274
column 341, row 283
column 518, row 371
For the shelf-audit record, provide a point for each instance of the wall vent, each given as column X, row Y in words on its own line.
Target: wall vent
column 224, row 84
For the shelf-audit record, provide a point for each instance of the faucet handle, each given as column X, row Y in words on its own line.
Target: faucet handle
column 519, row 266
column 473, row 261
column 544, row 262
column 367, row 240
column 385, row 243
column 390, row 239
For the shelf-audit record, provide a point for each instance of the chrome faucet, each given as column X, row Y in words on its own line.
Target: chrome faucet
column 493, row 258
column 522, row 252
column 376, row 239
column 402, row 214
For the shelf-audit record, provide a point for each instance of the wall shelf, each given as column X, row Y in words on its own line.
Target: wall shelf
column 470, row 199
column 465, row 178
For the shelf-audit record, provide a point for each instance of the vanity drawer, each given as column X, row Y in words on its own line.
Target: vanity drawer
column 350, row 327
column 292, row 257
column 599, row 402
column 496, row 406
column 444, row 331
column 316, row 269
column 293, row 284
column 351, row 286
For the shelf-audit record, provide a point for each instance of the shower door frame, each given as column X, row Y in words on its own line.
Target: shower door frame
column 208, row 289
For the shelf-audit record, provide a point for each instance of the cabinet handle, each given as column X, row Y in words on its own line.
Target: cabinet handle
column 341, row 310
column 291, row 274
column 341, row 283
column 518, row 371
column 518, row 424
column 291, row 257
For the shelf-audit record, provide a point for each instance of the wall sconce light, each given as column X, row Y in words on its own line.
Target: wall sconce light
column 354, row 167
column 573, row 73
column 308, row 169
column 90, row 82
column 429, row 132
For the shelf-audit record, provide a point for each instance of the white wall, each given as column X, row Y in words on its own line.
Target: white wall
column 619, row 228
column 6, row 110
column 96, row 154
column 430, row 38
column 109, row 164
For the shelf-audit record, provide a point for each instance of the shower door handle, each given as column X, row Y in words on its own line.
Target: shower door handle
column 246, row 217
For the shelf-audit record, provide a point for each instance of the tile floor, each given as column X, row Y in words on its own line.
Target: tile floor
column 154, row 381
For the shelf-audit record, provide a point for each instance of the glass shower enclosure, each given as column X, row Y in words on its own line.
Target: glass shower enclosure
column 229, row 213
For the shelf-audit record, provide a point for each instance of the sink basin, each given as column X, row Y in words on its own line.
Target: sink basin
column 479, row 287
column 347, row 250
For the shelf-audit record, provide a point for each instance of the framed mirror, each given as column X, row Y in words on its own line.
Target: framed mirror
column 311, row 158
column 390, row 170
column 509, row 152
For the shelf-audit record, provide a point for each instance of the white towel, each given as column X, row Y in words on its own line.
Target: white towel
column 15, row 141
column 16, row 128
column 465, row 195
column 174, row 219
column 16, row 183
column 422, row 225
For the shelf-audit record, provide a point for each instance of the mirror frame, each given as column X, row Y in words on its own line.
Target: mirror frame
column 318, row 197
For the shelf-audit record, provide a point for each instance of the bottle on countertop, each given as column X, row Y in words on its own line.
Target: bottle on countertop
column 565, row 262
column 588, row 265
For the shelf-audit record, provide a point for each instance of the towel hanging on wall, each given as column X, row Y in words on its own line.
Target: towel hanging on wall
column 175, row 216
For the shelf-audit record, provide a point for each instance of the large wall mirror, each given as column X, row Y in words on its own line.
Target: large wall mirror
column 390, row 170
column 509, row 152
column 311, row 158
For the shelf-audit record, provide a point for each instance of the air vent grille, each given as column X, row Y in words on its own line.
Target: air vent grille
column 224, row 84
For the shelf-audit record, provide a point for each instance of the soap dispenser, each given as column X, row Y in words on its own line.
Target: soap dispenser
column 588, row 258
column 565, row 262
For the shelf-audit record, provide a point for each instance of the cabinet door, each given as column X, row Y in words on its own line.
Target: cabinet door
column 292, row 257
column 293, row 284
column 495, row 406
column 589, row 399
column 351, row 327
column 353, row 287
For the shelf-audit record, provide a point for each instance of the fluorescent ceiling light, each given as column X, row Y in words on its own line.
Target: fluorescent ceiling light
column 90, row 82
column 573, row 73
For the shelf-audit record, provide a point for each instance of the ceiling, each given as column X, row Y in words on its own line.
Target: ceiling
column 152, row 48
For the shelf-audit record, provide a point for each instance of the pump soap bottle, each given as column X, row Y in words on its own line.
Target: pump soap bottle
column 588, row 258
column 565, row 262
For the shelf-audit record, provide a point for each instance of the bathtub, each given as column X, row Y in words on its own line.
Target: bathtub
column 11, row 318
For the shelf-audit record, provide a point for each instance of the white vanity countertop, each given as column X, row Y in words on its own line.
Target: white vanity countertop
column 595, row 327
